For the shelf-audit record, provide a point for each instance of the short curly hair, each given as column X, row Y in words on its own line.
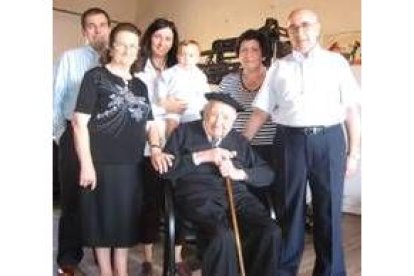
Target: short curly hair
column 251, row 34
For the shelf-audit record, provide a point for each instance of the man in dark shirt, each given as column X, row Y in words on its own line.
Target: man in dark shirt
column 205, row 153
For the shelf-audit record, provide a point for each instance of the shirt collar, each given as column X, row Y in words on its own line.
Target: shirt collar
column 149, row 68
column 298, row 56
column 91, row 49
column 209, row 138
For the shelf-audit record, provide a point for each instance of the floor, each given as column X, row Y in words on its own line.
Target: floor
column 352, row 248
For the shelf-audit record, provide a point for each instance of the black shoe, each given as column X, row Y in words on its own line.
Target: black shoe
column 66, row 271
column 70, row 270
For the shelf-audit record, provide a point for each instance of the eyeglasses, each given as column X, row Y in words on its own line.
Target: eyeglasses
column 304, row 25
column 121, row 46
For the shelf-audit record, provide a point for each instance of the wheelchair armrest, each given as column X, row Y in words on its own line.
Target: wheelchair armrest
column 270, row 205
column 169, row 235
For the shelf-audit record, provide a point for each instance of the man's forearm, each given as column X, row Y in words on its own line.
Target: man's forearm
column 255, row 122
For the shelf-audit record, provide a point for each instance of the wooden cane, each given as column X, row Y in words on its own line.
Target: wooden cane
column 229, row 188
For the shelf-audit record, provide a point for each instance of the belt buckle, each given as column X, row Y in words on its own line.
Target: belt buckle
column 312, row 130
column 309, row 131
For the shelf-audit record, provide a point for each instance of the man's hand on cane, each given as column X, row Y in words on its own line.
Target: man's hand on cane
column 227, row 169
column 215, row 155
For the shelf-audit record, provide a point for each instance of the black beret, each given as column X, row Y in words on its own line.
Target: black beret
column 225, row 98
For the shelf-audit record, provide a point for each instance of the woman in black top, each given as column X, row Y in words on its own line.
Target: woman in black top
column 110, row 125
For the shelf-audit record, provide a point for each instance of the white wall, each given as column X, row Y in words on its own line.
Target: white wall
column 352, row 188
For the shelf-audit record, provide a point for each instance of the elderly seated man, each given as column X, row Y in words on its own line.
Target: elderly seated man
column 202, row 154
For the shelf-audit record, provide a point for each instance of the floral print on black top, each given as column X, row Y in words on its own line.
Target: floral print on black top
column 119, row 112
column 123, row 105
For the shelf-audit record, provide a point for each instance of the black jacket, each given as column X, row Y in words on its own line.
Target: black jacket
column 205, row 178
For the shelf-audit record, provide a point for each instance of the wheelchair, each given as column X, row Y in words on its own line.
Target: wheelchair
column 170, row 223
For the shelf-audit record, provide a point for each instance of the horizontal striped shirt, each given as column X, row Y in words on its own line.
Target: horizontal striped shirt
column 232, row 84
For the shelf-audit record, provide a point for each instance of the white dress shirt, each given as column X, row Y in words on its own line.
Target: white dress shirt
column 150, row 76
column 304, row 91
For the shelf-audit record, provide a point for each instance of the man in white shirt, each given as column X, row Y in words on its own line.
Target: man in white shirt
column 67, row 80
column 312, row 96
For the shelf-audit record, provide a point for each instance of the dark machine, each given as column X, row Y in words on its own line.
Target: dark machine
column 222, row 58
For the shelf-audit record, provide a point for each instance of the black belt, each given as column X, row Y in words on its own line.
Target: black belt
column 311, row 130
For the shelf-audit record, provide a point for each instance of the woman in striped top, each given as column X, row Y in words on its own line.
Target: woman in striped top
column 245, row 84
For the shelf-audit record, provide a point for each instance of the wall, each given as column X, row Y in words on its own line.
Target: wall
column 203, row 20
column 206, row 21
column 352, row 188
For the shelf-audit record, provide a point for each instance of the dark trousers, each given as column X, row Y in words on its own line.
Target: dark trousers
column 56, row 182
column 69, row 236
column 320, row 160
column 265, row 152
column 152, row 209
column 152, row 204
column 260, row 235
